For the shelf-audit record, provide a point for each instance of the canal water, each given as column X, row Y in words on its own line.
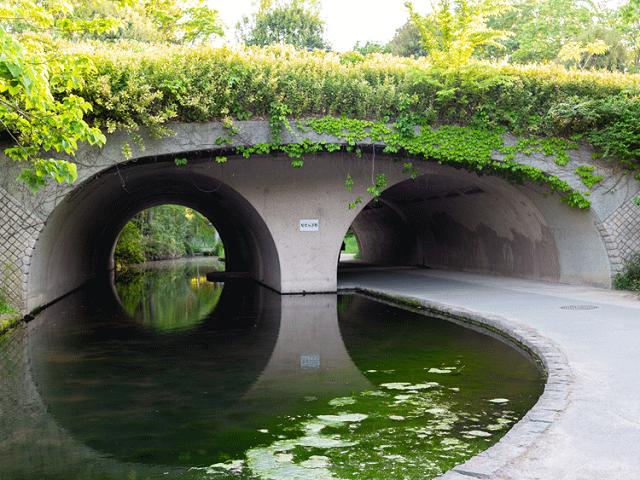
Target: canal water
column 160, row 373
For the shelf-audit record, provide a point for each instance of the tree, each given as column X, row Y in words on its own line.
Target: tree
column 370, row 47
column 293, row 22
column 152, row 20
column 582, row 55
column 457, row 29
column 630, row 23
column 129, row 248
column 613, row 53
column 571, row 32
column 407, row 42
column 542, row 27
column 38, row 109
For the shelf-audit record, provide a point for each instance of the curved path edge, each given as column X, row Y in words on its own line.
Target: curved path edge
column 554, row 399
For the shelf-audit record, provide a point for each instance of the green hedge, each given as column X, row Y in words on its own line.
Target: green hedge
column 148, row 86
column 629, row 279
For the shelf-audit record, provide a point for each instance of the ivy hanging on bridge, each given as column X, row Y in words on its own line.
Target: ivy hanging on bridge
column 419, row 108
column 475, row 149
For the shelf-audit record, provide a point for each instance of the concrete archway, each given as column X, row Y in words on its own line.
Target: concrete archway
column 452, row 218
column 449, row 219
column 77, row 241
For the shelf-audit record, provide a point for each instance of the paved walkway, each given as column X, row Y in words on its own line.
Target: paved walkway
column 596, row 435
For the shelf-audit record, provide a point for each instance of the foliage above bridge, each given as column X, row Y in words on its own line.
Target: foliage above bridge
column 131, row 86
column 157, row 84
column 549, row 106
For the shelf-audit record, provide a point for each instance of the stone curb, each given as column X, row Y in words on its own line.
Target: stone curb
column 554, row 399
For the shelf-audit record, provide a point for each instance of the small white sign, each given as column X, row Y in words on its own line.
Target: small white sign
column 309, row 225
column 310, row 361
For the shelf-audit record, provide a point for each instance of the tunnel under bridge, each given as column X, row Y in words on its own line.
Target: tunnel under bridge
column 284, row 226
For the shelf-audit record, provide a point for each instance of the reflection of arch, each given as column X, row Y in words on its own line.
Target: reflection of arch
column 78, row 240
column 34, row 444
column 309, row 358
column 450, row 219
column 146, row 377
column 168, row 302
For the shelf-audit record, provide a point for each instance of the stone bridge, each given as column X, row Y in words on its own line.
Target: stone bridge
column 56, row 240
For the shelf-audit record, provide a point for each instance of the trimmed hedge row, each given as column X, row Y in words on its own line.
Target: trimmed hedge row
column 135, row 86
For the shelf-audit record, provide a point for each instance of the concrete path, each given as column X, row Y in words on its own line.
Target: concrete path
column 596, row 435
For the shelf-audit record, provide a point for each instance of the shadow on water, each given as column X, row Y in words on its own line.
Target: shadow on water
column 164, row 373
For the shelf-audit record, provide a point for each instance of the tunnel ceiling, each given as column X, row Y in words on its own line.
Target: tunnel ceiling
column 431, row 187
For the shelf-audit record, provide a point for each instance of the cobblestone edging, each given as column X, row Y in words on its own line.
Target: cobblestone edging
column 490, row 463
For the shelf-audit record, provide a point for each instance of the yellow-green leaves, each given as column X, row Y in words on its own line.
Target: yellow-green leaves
column 454, row 30
column 44, row 170
column 37, row 106
column 40, row 105
column 581, row 54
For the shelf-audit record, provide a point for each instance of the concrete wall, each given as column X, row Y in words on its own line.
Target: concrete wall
column 447, row 218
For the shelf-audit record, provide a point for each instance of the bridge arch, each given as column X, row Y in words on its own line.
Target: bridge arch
column 454, row 220
column 78, row 239
column 446, row 213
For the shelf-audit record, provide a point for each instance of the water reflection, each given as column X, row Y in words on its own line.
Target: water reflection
column 309, row 358
column 258, row 386
column 169, row 295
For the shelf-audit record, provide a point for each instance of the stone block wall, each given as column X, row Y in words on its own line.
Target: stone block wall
column 621, row 233
column 18, row 233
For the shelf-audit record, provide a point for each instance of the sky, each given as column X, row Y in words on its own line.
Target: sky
column 347, row 21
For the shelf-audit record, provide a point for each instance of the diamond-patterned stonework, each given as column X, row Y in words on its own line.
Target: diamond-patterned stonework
column 18, row 231
column 622, row 234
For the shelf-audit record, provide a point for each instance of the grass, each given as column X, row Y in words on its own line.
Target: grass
column 5, row 308
column 9, row 316
column 351, row 244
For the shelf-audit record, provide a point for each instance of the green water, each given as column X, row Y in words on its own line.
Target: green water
column 168, row 295
column 166, row 375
